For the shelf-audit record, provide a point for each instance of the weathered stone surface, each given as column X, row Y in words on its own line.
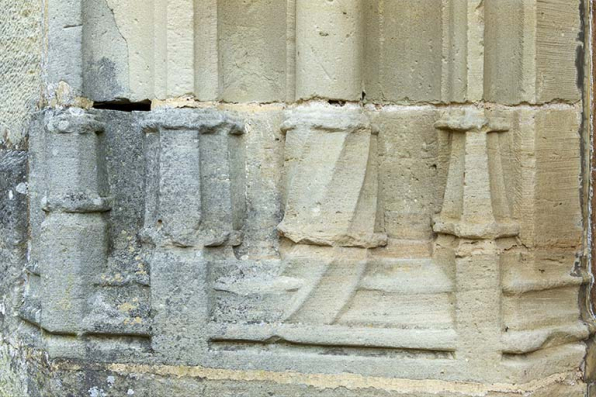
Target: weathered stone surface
column 182, row 184
column 335, row 198
column 398, row 51
column 533, row 51
column 21, row 51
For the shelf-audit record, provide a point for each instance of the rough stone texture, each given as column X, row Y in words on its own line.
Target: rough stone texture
column 21, row 51
column 334, row 198
column 533, row 50
column 393, row 50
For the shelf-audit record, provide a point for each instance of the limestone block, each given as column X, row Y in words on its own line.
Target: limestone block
column 424, row 51
column 543, row 166
column 179, row 301
column 253, row 50
column 73, row 233
column 189, row 152
column 106, row 68
column 73, row 256
column 207, row 61
column 532, row 49
column 558, row 159
column 332, row 191
column 65, row 49
column 329, row 49
column 264, row 143
column 406, row 51
column 21, row 51
column 410, row 167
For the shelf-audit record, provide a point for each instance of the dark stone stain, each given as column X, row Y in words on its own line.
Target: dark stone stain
column 580, row 50
column 101, row 79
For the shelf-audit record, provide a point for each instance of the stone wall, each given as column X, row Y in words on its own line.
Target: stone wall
column 21, row 49
column 325, row 197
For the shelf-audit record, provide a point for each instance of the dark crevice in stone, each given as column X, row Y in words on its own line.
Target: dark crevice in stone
column 336, row 102
column 124, row 106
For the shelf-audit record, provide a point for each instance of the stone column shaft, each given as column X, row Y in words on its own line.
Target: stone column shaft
column 474, row 220
column 74, row 232
column 329, row 49
column 191, row 204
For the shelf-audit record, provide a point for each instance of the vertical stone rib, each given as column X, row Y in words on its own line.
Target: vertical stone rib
column 475, row 51
column 207, row 68
column 291, row 51
column 453, row 198
column 180, row 47
column 329, row 49
column 503, row 56
column 65, row 44
column 160, row 49
column 455, row 27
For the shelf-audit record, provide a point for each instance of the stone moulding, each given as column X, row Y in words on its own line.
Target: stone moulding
column 194, row 215
column 475, row 203
column 191, row 163
column 63, row 295
column 331, row 295
column 74, row 231
column 295, row 197
column 332, row 177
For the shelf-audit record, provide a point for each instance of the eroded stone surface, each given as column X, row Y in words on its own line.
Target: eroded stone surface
column 369, row 227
